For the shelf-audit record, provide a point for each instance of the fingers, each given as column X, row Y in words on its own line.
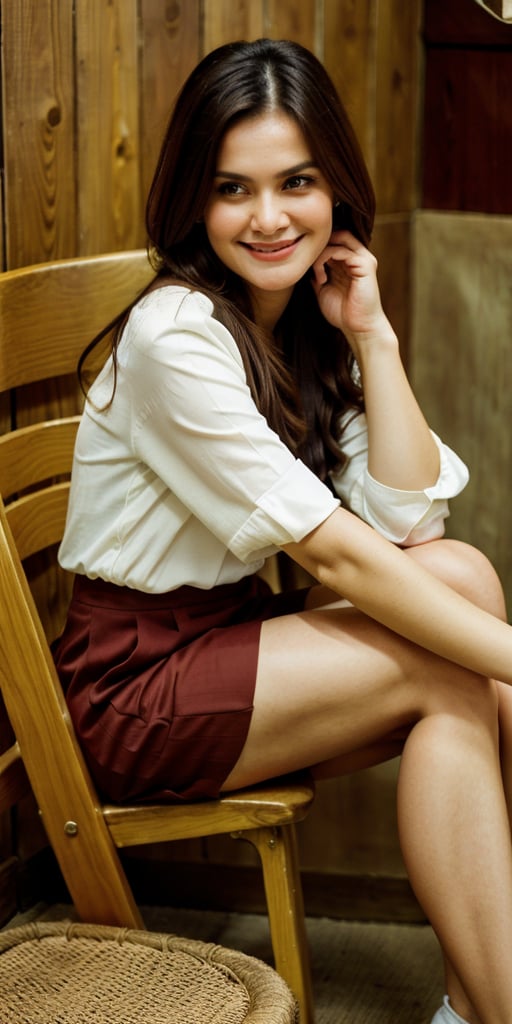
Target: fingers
column 347, row 238
column 356, row 260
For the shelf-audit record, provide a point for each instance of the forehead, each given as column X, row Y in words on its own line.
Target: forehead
column 272, row 138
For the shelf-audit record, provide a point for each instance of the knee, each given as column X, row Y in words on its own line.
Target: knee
column 461, row 719
column 466, row 569
column 457, row 693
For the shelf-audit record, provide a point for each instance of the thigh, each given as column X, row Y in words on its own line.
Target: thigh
column 336, row 690
column 332, row 684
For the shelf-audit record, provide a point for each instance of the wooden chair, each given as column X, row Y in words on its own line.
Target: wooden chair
column 48, row 313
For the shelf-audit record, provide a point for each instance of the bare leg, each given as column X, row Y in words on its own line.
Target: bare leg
column 469, row 572
column 332, row 684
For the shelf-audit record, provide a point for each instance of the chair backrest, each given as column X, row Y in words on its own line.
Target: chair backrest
column 50, row 311
column 48, row 314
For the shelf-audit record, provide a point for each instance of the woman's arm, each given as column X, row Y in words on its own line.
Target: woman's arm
column 351, row 559
column 401, row 451
column 406, row 517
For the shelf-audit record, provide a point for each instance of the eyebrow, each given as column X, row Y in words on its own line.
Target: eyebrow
column 280, row 174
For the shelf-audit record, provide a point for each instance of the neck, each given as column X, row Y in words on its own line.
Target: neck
column 269, row 307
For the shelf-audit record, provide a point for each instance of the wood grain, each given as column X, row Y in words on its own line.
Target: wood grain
column 287, row 19
column 397, row 83
column 170, row 47
column 109, row 206
column 349, row 56
column 38, row 125
column 226, row 20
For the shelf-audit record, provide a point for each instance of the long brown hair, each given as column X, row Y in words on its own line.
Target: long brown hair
column 303, row 386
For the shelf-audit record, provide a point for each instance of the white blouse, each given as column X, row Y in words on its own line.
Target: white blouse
column 181, row 480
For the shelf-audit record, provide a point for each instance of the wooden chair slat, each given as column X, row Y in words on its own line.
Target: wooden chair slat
column 35, row 453
column 50, row 311
column 37, row 519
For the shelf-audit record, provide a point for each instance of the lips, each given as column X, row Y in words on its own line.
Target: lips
column 272, row 252
column 270, row 247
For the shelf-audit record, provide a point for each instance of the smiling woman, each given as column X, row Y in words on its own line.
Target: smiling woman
column 268, row 220
column 255, row 401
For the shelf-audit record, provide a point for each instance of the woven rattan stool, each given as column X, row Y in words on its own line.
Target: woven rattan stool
column 61, row 973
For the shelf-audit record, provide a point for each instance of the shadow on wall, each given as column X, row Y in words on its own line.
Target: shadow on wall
column 461, row 365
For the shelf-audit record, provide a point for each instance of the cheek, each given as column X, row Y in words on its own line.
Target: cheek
column 319, row 214
column 221, row 224
column 327, row 216
column 322, row 221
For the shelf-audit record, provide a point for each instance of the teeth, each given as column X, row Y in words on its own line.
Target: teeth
column 277, row 248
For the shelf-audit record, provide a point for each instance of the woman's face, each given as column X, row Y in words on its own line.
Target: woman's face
column 269, row 214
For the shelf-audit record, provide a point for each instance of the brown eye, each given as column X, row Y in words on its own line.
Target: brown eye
column 231, row 188
column 298, row 181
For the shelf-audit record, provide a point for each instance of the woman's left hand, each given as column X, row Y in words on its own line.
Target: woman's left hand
column 345, row 283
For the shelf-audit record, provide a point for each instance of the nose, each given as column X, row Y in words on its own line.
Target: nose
column 269, row 214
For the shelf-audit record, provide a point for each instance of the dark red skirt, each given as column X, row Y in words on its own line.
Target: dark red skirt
column 160, row 687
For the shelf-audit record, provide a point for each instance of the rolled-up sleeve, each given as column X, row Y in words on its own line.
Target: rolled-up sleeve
column 403, row 517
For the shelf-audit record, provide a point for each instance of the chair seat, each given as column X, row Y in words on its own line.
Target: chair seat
column 277, row 802
column 62, row 973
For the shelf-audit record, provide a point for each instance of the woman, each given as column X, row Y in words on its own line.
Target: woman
column 256, row 383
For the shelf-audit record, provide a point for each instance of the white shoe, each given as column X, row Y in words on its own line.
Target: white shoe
column 446, row 1014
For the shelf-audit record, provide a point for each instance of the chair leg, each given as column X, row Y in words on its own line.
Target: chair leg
column 277, row 848
column 95, row 877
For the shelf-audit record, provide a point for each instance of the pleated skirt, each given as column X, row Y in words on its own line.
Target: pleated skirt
column 160, row 687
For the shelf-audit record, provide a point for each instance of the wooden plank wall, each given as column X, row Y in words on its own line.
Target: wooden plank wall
column 467, row 141
column 86, row 90
column 460, row 349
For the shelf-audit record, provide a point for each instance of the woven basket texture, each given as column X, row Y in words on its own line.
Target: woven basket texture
column 61, row 973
